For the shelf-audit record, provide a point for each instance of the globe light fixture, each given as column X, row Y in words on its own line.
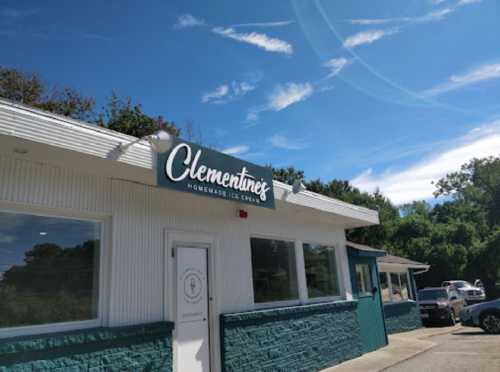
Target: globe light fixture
column 160, row 141
column 298, row 186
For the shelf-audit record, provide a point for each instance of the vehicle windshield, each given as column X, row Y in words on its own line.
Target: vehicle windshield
column 433, row 295
column 462, row 284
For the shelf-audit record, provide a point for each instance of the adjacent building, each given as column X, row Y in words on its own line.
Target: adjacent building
column 399, row 292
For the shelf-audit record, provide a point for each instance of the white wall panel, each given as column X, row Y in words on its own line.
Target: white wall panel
column 44, row 185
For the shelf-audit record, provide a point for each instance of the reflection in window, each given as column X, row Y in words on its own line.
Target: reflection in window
column 403, row 278
column 384, row 287
column 399, row 287
column 274, row 270
column 363, row 279
column 321, row 270
column 48, row 269
column 396, row 287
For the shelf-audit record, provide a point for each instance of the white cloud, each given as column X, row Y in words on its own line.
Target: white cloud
column 416, row 181
column 282, row 97
column 236, row 150
column 480, row 74
column 282, row 142
column 188, row 20
column 228, row 92
column 366, row 37
column 260, row 40
column 435, row 15
column 291, row 93
column 335, row 65
column 265, row 24
column 215, row 95
column 467, row 2
column 374, row 21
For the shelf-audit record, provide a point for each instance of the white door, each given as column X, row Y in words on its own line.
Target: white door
column 191, row 328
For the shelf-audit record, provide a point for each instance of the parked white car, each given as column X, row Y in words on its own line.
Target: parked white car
column 470, row 293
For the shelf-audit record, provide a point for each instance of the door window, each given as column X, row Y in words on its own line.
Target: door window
column 364, row 279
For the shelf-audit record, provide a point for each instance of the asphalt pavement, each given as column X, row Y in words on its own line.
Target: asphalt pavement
column 463, row 350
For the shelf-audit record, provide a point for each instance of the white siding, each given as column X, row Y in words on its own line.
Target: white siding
column 141, row 214
column 44, row 185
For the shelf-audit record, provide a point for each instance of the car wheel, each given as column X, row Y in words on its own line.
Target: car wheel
column 452, row 318
column 490, row 322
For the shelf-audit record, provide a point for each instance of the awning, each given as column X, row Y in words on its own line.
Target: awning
column 389, row 261
column 365, row 250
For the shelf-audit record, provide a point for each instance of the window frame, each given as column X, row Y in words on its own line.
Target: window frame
column 104, row 263
column 399, row 273
column 303, row 298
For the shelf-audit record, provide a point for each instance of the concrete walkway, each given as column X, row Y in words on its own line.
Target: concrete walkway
column 402, row 346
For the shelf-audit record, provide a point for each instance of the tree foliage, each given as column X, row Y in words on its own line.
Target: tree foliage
column 29, row 89
column 118, row 114
column 125, row 117
column 459, row 238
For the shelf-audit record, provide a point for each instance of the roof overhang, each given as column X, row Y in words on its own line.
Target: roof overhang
column 362, row 250
column 61, row 141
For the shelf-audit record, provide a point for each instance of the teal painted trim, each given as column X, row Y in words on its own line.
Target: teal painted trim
column 402, row 317
column 285, row 312
column 370, row 310
column 382, row 308
column 143, row 347
column 296, row 338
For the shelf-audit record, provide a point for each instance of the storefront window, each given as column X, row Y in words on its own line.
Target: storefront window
column 384, row 287
column 48, row 269
column 321, row 271
column 395, row 286
column 274, row 270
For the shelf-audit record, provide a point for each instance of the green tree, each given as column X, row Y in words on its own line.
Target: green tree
column 477, row 183
column 29, row 89
column 287, row 175
column 118, row 114
column 125, row 117
column 20, row 87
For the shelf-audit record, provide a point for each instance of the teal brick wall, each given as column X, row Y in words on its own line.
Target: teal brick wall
column 298, row 338
column 402, row 317
column 136, row 348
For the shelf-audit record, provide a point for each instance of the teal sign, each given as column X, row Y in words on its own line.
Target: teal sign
column 198, row 170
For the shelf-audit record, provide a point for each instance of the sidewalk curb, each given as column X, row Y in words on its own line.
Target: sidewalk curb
column 402, row 347
column 423, row 338
column 408, row 358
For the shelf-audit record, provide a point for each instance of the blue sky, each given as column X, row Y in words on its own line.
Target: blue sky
column 390, row 94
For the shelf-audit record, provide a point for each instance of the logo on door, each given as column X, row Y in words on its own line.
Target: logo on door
column 192, row 280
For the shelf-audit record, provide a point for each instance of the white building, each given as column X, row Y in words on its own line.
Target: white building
column 170, row 279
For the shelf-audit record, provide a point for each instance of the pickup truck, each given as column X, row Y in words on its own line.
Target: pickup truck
column 470, row 293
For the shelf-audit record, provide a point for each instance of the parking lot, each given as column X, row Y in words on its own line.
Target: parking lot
column 466, row 349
